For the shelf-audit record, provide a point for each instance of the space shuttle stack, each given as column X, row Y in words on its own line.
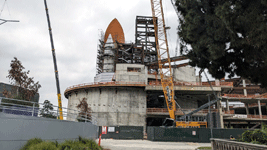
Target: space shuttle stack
column 109, row 55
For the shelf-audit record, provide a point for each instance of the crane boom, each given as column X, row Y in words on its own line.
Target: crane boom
column 163, row 54
column 55, row 63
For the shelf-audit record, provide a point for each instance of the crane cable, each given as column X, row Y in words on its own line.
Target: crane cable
column 5, row 3
column 3, row 8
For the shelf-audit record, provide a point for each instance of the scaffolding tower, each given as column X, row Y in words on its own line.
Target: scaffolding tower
column 145, row 37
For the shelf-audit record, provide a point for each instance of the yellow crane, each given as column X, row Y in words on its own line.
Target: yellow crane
column 166, row 72
column 163, row 53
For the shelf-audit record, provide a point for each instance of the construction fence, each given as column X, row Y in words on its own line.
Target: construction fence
column 121, row 132
column 200, row 135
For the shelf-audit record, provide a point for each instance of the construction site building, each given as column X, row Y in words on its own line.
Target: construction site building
column 127, row 89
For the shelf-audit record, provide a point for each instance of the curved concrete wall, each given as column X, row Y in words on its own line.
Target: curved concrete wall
column 113, row 106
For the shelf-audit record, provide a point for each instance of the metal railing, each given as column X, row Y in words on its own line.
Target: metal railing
column 165, row 110
column 183, row 83
column 28, row 108
column 253, row 96
column 233, row 115
column 106, row 83
column 222, row 144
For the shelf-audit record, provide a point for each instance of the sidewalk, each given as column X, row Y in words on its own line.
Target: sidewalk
column 149, row 145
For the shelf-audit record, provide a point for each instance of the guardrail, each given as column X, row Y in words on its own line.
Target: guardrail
column 28, row 108
column 244, row 115
column 243, row 96
column 106, row 83
column 182, row 83
column 221, row 144
column 165, row 110
column 258, row 116
column 256, row 104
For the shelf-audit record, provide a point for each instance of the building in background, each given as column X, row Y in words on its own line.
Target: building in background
column 11, row 91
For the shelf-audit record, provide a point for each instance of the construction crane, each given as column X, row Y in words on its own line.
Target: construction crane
column 166, row 71
column 55, row 62
column 163, row 53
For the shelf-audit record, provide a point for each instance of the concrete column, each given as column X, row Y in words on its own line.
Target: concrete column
column 245, row 90
column 146, row 71
column 219, row 106
column 260, row 113
column 247, row 110
column 227, row 105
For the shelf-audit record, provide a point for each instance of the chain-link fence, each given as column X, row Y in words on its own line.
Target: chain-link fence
column 28, row 108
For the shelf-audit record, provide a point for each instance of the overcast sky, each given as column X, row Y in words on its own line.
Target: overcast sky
column 75, row 27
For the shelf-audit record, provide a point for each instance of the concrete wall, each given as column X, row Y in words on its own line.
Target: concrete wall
column 123, row 75
column 187, row 74
column 16, row 130
column 113, row 106
column 187, row 103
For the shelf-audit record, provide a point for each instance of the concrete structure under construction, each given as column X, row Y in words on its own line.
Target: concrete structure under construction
column 127, row 90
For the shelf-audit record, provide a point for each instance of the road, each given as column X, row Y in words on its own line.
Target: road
column 149, row 145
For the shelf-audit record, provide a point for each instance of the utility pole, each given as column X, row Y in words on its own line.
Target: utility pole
column 55, row 63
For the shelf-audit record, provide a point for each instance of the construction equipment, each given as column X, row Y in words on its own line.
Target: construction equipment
column 163, row 53
column 165, row 71
column 55, row 63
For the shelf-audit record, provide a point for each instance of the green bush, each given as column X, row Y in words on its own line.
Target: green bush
column 255, row 137
column 204, row 148
column 247, row 136
column 78, row 144
column 44, row 146
column 31, row 142
column 259, row 136
column 81, row 143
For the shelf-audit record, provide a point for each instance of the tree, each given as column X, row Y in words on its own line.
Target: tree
column 85, row 111
column 47, row 110
column 25, row 86
column 225, row 36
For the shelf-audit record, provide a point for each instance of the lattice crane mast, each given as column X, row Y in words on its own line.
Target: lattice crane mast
column 163, row 53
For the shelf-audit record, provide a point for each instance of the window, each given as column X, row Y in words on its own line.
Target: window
column 131, row 69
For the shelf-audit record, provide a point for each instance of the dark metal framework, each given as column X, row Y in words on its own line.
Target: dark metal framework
column 122, row 53
column 145, row 37
column 128, row 53
column 100, row 53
